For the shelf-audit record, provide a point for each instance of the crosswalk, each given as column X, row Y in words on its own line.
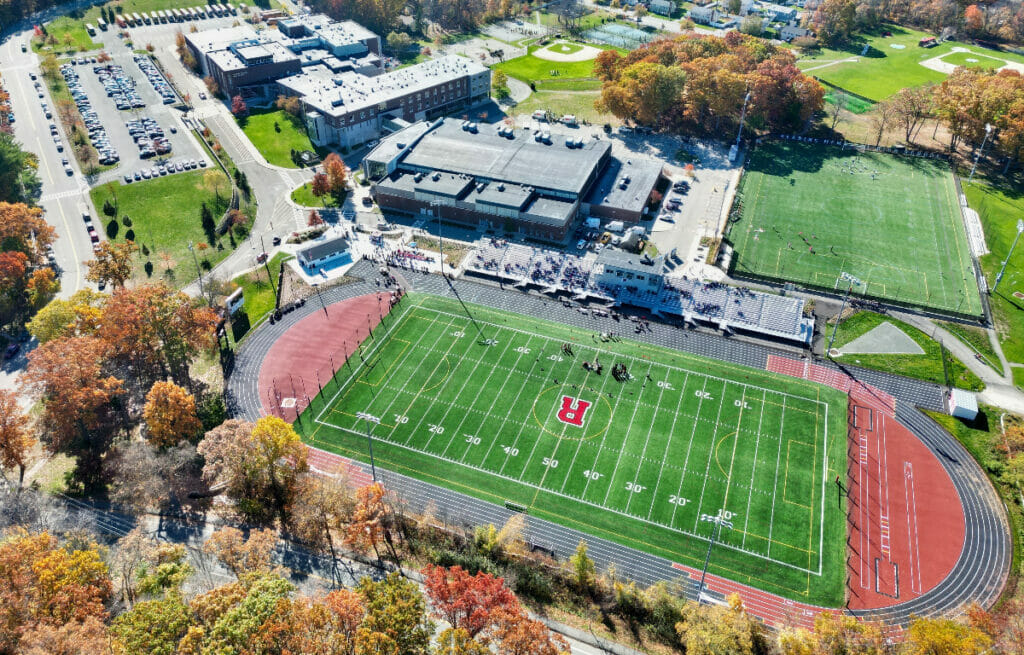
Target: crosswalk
column 59, row 195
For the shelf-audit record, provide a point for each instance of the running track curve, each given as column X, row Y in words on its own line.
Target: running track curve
column 977, row 577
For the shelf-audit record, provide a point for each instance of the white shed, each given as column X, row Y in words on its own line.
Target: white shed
column 963, row 404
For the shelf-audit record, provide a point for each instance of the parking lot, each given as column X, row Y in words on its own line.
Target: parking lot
column 144, row 130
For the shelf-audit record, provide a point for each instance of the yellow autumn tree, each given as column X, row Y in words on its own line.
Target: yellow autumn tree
column 170, row 415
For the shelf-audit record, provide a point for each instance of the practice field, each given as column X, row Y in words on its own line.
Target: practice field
column 810, row 213
column 497, row 408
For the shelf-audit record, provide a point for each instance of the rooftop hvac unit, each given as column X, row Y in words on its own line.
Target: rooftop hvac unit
column 435, row 177
column 501, row 187
column 417, row 177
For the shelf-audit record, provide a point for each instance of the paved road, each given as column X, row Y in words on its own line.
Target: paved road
column 980, row 571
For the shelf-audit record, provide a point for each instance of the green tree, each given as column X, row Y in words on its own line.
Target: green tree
column 499, row 84
column 395, row 607
column 582, row 566
column 154, row 626
column 13, row 161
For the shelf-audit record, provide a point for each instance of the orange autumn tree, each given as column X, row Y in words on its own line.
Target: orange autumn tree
column 170, row 415
column 465, row 601
column 67, row 374
column 157, row 327
column 43, row 583
column 15, row 441
column 23, row 229
column 368, row 526
column 112, row 264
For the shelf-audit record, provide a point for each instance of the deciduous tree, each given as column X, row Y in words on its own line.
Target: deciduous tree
column 946, row 636
column 23, row 229
column 68, row 375
column 238, row 106
column 42, row 286
column 157, row 327
column 241, row 554
column 154, row 626
column 259, row 464
column 76, row 316
column 715, row 629
column 517, row 634
column 368, row 524
column 112, row 263
column 396, row 608
column 582, row 567
column 337, row 178
column 170, row 415
column 15, row 440
column 86, row 637
column 320, row 187
column 468, row 601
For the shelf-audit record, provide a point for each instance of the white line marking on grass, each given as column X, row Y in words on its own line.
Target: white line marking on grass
column 668, row 446
column 753, row 470
column 466, row 379
column 484, row 384
column 625, row 439
column 689, row 449
column 775, row 488
column 643, row 453
column 735, row 442
column 359, row 434
column 711, row 453
column 824, row 474
column 388, row 410
column 579, row 445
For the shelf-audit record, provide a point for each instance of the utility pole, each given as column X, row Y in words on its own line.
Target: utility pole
column 440, row 240
column 999, row 277
column 735, row 149
column 852, row 280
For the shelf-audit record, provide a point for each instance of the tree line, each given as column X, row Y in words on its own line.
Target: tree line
column 699, row 82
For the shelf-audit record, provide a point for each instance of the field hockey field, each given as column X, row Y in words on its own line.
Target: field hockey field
column 809, row 213
column 497, row 408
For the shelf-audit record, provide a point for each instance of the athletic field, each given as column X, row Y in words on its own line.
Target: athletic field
column 811, row 212
column 501, row 407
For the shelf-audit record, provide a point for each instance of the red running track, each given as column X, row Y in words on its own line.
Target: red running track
column 906, row 524
column 309, row 352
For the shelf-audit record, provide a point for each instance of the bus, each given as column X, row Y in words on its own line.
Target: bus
column 121, row 22
column 90, row 29
column 146, row 19
column 233, row 10
column 102, row 24
column 136, row 19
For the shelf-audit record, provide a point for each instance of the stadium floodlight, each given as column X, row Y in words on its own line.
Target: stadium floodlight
column 316, row 285
column 440, row 241
column 370, row 418
column 988, row 131
column 852, row 280
column 719, row 521
column 999, row 277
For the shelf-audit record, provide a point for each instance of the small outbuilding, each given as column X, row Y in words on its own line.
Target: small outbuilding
column 963, row 404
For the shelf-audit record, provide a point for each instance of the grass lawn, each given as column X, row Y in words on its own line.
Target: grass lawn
column 922, row 367
column 977, row 339
column 578, row 103
column 893, row 222
column 593, row 19
column 517, row 419
column 304, row 196
column 165, row 216
column 854, row 105
column 529, row 68
column 1018, row 377
column 276, row 143
column 259, row 294
column 70, row 36
column 885, row 70
column 999, row 211
column 979, row 61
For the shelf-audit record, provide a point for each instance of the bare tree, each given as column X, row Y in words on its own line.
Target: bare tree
column 881, row 119
column 837, row 107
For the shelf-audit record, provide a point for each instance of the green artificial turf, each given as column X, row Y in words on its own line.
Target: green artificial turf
column 1000, row 209
column 807, row 213
column 276, row 143
column 928, row 367
column 885, row 70
column 165, row 216
column 684, row 439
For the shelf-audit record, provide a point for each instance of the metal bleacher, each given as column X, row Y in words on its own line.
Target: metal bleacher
column 720, row 305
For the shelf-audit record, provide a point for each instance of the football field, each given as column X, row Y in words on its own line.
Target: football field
column 500, row 406
column 807, row 213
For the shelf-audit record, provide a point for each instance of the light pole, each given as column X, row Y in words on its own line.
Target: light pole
column 988, row 131
column 719, row 521
column 852, row 280
column 316, row 286
column 199, row 271
column 370, row 418
column 735, row 149
column 440, row 240
column 999, row 277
